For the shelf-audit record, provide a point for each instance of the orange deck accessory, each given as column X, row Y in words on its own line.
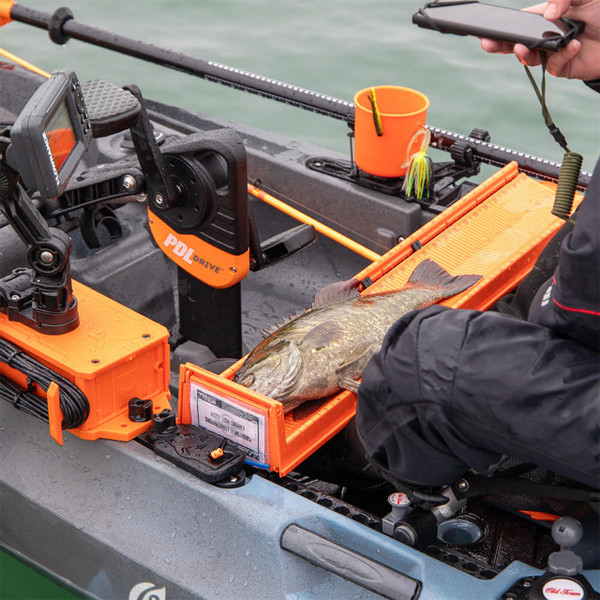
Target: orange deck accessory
column 497, row 230
column 5, row 8
column 256, row 421
column 403, row 113
column 217, row 453
column 114, row 355
column 323, row 229
column 55, row 414
column 536, row 515
column 205, row 262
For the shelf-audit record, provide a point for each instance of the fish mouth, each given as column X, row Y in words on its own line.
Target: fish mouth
column 245, row 380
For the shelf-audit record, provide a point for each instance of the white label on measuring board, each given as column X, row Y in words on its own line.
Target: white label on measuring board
column 228, row 418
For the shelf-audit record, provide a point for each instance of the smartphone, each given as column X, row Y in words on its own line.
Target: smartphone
column 498, row 23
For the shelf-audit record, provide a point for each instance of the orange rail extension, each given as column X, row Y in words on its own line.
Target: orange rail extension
column 300, row 216
column 20, row 61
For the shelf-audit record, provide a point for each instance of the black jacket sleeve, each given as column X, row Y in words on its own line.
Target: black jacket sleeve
column 570, row 302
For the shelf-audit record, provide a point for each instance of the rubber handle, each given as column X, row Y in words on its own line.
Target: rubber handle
column 355, row 567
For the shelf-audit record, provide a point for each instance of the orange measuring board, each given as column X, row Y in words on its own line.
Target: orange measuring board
column 499, row 237
column 497, row 230
column 114, row 355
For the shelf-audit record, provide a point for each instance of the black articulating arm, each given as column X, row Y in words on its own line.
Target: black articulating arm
column 41, row 296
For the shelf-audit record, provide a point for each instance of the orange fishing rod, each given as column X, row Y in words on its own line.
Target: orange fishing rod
column 303, row 218
column 23, row 63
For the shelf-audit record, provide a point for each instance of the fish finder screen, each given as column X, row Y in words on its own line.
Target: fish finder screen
column 60, row 135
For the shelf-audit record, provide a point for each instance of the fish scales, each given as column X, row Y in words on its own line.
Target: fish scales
column 326, row 349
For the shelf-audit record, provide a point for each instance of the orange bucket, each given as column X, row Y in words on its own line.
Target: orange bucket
column 403, row 112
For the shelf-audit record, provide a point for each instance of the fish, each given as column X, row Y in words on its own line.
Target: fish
column 325, row 350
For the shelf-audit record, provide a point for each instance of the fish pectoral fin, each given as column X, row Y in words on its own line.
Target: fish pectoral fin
column 293, row 370
column 322, row 335
column 337, row 292
column 359, row 353
column 350, row 384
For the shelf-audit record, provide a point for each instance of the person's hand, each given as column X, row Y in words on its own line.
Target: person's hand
column 580, row 59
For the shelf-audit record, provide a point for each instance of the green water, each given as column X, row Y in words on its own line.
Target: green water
column 335, row 47
column 19, row 582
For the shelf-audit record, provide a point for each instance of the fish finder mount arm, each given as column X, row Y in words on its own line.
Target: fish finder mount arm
column 38, row 154
column 40, row 296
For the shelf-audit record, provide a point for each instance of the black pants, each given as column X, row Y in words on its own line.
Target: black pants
column 454, row 390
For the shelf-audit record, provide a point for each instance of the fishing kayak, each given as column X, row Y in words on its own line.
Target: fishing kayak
column 110, row 518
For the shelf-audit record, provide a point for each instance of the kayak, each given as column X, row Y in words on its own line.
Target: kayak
column 116, row 510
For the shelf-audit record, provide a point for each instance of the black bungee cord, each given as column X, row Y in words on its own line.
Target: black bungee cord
column 73, row 402
column 572, row 161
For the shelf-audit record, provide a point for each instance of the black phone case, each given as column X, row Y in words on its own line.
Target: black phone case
column 497, row 23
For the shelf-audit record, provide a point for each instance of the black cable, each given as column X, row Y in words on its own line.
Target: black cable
column 73, row 403
column 22, row 399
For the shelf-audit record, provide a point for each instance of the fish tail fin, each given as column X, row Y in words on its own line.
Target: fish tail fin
column 429, row 273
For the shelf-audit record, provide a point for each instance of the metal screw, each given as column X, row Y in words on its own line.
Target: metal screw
column 129, row 182
column 463, row 485
column 527, row 583
column 233, row 269
column 15, row 297
column 233, row 479
column 46, row 257
column 159, row 200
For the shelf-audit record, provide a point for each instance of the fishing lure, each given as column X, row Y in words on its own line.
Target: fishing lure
column 376, row 114
column 419, row 175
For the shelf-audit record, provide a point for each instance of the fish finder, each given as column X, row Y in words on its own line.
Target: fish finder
column 51, row 135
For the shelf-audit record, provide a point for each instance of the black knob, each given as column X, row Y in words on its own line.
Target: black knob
column 163, row 423
column 140, row 410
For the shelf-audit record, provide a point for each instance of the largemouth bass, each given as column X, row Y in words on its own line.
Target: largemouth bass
column 326, row 349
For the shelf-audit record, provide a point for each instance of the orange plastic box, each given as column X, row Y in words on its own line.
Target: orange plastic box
column 497, row 231
column 114, row 355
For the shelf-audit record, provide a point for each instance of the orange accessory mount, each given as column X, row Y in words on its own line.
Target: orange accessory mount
column 497, row 230
column 213, row 266
column 113, row 356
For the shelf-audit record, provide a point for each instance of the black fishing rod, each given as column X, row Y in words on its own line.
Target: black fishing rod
column 61, row 26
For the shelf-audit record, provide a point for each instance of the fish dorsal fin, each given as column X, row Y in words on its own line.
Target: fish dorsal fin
column 428, row 273
column 322, row 335
column 271, row 329
column 335, row 293
column 359, row 353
